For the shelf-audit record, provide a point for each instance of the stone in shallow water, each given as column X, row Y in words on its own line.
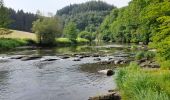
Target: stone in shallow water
column 107, row 72
column 64, row 57
column 97, row 59
column 77, row 59
column 31, row 58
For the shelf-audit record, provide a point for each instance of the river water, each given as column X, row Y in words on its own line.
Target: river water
column 62, row 79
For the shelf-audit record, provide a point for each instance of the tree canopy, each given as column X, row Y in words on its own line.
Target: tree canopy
column 47, row 29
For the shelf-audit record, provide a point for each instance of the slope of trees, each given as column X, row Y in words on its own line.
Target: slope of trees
column 4, row 19
column 144, row 21
column 87, row 16
column 21, row 20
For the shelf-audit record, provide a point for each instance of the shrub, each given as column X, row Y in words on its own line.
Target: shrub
column 63, row 41
column 149, row 55
column 140, row 55
column 82, row 41
column 145, row 54
column 86, row 35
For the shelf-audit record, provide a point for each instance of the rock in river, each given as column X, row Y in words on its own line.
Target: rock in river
column 77, row 59
column 97, row 59
column 109, row 96
column 107, row 72
column 34, row 57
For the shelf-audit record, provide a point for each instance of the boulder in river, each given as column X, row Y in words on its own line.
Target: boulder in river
column 97, row 59
column 33, row 57
column 18, row 57
column 77, row 59
column 51, row 59
column 107, row 72
column 116, row 62
column 64, row 57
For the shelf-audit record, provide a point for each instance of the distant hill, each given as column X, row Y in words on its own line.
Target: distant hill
column 20, row 35
column 88, row 16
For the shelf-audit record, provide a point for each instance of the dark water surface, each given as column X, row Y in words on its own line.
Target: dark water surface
column 55, row 80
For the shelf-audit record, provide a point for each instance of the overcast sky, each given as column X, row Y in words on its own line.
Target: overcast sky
column 52, row 6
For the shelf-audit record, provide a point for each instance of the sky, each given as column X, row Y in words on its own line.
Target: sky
column 52, row 6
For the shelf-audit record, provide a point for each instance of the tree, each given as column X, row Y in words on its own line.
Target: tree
column 70, row 31
column 4, row 19
column 47, row 29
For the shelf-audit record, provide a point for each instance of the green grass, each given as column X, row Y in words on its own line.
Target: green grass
column 135, row 83
column 11, row 43
column 68, row 42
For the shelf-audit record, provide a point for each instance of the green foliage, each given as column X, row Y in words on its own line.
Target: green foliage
column 136, row 22
column 137, row 84
column 140, row 55
column 4, row 16
column 11, row 43
column 145, row 54
column 68, row 42
column 70, row 31
column 161, row 41
column 149, row 55
column 87, row 35
column 63, row 41
column 87, row 16
column 82, row 41
column 47, row 29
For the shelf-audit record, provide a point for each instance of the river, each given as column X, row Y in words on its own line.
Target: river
column 62, row 79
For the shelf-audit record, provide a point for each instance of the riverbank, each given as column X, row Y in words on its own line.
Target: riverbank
column 136, row 83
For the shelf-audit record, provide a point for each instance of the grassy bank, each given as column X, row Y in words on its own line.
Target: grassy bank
column 11, row 43
column 135, row 83
column 19, row 35
column 68, row 42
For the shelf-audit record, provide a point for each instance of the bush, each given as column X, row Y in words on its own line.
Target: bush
column 138, row 84
column 82, row 41
column 63, row 41
column 149, row 55
column 145, row 54
column 140, row 55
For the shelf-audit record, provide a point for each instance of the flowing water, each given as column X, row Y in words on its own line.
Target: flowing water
column 62, row 79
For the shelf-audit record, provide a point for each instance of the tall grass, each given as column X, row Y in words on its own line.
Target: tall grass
column 139, row 84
